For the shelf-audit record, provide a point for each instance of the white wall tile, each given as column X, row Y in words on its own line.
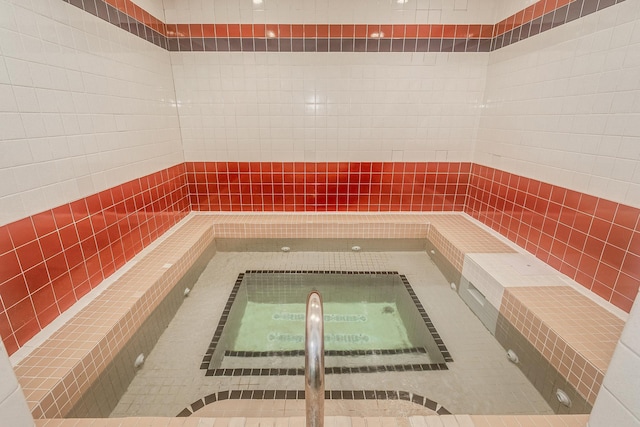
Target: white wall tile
column 607, row 412
column 623, row 379
column 14, row 410
column 154, row 7
column 72, row 84
column 295, row 106
column 330, row 11
column 13, row 406
column 558, row 105
column 617, row 402
column 631, row 333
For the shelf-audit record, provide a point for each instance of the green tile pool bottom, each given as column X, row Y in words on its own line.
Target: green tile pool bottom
column 347, row 326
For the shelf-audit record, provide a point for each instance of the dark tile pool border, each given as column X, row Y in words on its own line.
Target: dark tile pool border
column 299, row 395
column 206, row 360
column 290, row 353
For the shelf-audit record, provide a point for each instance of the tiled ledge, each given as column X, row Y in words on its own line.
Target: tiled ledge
column 415, row 421
column 462, row 233
column 55, row 375
column 574, row 331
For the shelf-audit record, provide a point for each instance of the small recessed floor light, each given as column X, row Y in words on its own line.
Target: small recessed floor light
column 257, row 1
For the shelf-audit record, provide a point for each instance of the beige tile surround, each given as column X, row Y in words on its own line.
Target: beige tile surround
column 413, row 421
column 55, row 375
column 576, row 335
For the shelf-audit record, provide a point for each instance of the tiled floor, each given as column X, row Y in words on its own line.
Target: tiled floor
column 479, row 381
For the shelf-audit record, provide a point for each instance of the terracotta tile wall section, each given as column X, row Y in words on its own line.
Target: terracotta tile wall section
column 594, row 241
column 573, row 333
column 56, row 374
column 321, row 187
column 50, row 260
column 538, row 17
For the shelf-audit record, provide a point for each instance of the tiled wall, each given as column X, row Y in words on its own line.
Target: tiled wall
column 355, row 186
column 332, row 11
column 13, row 405
column 155, row 8
column 328, row 108
column 563, row 107
column 51, row 259
column 284, row 107
column 616, row 403
column 434, row 33
column 84, row 106
column 592, row 240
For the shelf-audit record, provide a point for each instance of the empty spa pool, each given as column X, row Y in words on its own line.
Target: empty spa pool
column 447, row 361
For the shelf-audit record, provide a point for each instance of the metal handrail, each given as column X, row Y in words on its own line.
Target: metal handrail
column 314, row 361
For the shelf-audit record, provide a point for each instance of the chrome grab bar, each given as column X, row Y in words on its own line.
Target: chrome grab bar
column 314, row 361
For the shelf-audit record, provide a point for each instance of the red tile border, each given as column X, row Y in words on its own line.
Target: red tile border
column 536, row 18
column 327, row 187
column 53, row 258
column 592, row 240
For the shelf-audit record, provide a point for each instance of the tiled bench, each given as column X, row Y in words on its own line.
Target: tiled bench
column 56, row 375
column 573, row 333
column 532, row 303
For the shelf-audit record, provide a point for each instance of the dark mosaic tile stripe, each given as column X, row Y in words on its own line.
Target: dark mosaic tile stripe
column 336, row 370
column 574, row 10
column 221, row 324
column 106, row 12
column 567, row 13
column 349, row 273
column 427, row 320
column 290, row 353
column 327, row 45
column 300, row 395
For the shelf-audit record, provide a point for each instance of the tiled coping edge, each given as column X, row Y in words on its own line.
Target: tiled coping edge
column 85, row 345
